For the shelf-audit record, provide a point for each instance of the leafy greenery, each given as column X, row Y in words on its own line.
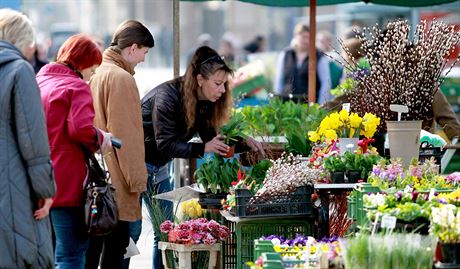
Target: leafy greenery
column 234, row 128
column 217, row 173
column 335, row 164
column 298, row 144
column 256, row 174
column 352, row 162
column 279, row 118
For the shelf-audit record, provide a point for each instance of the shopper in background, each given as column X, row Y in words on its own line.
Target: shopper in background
column 200, row 103
column 117, row 106
column 26, row 175
column 69, row 115
column 324, row 45
column 292, row 70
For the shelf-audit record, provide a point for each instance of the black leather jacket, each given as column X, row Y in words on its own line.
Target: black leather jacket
column 165, row 130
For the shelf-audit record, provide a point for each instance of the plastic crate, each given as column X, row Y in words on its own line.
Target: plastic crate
column 356, row 211
column 210, row 200
column 295, row 204
column 248, row 231
column 228, row 250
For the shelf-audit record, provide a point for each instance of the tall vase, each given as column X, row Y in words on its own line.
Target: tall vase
column 451, row 253
column 348, row 144
column 404, row 140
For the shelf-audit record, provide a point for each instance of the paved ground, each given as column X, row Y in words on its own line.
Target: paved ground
column 145, row 245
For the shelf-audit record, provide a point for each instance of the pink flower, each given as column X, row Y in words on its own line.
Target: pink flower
column 172, row 236
column 184, row 226
column 184, row 236
column 224, row 232
column 209, row 240
column 166, row 226
column 213, row 226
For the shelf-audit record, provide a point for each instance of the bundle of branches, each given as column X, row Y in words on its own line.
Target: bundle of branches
column 402, row 71
column 287, row 174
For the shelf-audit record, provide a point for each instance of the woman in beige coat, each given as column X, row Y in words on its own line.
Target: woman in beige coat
column 117, row 107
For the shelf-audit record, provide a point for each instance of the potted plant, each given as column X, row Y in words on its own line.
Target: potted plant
column 336, row 166
column 233, row 131
column 445, row 221
column 217, row 174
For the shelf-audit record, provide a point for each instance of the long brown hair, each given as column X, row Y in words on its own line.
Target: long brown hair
column 206, row 61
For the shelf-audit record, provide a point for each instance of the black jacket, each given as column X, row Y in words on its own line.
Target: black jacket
column 165, row 131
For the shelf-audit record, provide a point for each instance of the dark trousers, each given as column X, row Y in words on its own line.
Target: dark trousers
column 109, row 249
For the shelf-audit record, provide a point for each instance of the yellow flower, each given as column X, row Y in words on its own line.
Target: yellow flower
column 313, row 136
column 330, row 134
column 355, row 120
column 343, row 115
column 335, row 122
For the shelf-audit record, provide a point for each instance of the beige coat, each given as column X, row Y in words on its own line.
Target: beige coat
column 118, row 111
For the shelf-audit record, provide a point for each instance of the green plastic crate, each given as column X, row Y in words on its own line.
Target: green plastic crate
column 360, row 212
column 262, row 246
column 248, row 231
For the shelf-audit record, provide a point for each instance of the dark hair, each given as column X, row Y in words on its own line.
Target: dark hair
column 79, row 52
column 132, row 32
column 206, row 61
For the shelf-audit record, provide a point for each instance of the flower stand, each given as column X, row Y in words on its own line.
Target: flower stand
column 185, row 253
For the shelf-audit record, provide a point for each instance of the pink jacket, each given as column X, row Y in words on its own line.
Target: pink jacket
column 69, row 116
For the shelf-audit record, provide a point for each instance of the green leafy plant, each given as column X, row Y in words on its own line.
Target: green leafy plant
column 298, row 144
column 234, row 129
column 335, row 164
column 217, row 173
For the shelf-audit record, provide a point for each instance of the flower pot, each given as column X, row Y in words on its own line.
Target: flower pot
column 348, row 144
column 451, row 253
column 337, row 177
column 230, row 152
column 353, row 176
column 404, row 140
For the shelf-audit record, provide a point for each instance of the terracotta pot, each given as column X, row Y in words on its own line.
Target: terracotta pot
column 230, row 152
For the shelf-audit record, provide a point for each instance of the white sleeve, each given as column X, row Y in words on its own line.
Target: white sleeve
column 324, row 75
column 279, row 74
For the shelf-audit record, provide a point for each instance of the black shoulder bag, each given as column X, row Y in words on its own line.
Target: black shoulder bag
column 101, row 211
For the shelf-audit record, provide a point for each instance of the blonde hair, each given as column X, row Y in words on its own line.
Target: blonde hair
column 16, row 28
column 300, row 28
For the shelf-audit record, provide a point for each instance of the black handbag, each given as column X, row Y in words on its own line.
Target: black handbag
column 101, row 211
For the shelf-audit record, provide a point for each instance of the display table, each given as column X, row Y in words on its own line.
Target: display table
column 185, row 253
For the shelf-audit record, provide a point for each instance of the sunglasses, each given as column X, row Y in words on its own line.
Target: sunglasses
column 215, row 58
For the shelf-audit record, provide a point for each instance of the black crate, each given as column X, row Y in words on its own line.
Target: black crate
column 228, row 249
column 211, row 200
column 295, row 204
column 425, row 153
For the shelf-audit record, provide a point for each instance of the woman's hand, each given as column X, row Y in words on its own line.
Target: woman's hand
column 217, row 145
column 106, row 143
column 44, row 208
column 255, row 146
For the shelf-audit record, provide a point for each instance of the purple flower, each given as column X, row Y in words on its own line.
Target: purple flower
column 399, row 195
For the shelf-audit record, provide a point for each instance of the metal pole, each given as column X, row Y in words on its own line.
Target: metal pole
column 312, row 54
column 176, row 60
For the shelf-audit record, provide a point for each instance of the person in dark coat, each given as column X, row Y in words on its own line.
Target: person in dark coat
column 292, row 69
column 26, row 175
column 174, row 112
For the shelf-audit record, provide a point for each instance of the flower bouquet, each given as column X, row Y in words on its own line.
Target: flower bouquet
column 344, row 127
column 196, row 231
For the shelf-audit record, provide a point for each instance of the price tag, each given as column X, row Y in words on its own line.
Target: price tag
column 388, row 222
column 431, row 195
column 346, row 106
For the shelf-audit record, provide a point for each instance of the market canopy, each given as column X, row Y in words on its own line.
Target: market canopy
column 303, row 3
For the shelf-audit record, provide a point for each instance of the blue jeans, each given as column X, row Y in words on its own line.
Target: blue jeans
column 159, row 181
column 71, row 237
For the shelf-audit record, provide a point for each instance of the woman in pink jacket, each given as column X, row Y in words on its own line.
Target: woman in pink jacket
column 69, row 112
